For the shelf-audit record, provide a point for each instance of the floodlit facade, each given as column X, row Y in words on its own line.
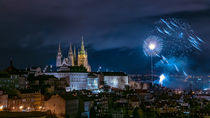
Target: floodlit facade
column 59, row 74
column 78, row 81
column 92, row 83
column 73, row 59
column 83, row 80
column 115, row 79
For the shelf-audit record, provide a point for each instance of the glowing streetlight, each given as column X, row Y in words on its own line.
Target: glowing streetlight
column 152, row 47
column 1, row 107
column 21, row 107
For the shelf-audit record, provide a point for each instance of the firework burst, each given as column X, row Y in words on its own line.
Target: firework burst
column 178, row 36
column 172, row 40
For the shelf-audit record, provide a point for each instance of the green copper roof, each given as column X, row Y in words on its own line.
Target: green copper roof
column 82, row 51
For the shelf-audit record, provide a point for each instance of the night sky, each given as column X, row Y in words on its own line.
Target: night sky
column 113, row 30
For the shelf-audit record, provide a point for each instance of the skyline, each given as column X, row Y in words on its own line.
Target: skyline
column 27, row 35
column 104, row 58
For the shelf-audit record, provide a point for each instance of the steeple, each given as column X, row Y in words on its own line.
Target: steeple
column 71, row 56
column 70, row 49
column 59, row 51
column 75, row 56
column 83, row 57
column 82, row 51
column 74, row 53
column 59, row 47
column 82, row 45
column 59, row 57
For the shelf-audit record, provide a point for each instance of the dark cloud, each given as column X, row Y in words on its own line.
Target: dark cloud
column 30, row 29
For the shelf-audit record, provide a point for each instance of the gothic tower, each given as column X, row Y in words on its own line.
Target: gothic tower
column 71, row 56
column 83, row 57
column 59, row 57
column 75, row 57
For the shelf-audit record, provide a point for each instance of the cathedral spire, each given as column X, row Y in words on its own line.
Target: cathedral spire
column 59, row 56
column 59, row 50
column 82, row 45
column 70, row 48
column 82, row 51
column 71, row 56
column 75, row 56
column 59, row 47
column 75, row 53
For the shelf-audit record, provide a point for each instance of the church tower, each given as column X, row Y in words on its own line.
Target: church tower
column 71, row 56
column 83, row 57
column 75, row 57
column 59, row 57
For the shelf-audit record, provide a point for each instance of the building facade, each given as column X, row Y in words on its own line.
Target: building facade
column 63, row 106
column 92, row 82
column 83, row 57
column 77, row 81
column 3, row 100
column 115, row 79
column 73, row 59
column 26, row 102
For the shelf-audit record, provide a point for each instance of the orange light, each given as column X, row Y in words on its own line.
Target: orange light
column 21, row 107
column 1, row 107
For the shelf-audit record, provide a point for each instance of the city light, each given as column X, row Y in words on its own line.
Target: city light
column 135, row 64
column 152, row 46
column 21, row 107
column 1, row 107
column 162, row 77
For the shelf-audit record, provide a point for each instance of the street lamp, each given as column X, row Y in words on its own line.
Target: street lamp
column 152, row 47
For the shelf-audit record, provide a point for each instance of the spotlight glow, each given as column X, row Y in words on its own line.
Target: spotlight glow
column 152, row 46
column 162, row 77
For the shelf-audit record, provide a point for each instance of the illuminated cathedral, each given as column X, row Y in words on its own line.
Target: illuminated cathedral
column 73, row 59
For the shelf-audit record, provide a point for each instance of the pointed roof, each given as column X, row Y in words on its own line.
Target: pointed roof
column 59, row 47
column 59, row 50
column 82, row 45
column 11, row 69
column 74, row 53
column 70, row 48
column 82, row 51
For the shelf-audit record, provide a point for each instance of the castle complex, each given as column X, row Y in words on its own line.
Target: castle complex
column 77, row 72
column 73, row 59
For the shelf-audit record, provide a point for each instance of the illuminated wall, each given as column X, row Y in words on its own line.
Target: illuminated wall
column 58, row 74
column 116, row 81
column 78, row 81
column 92, row 83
